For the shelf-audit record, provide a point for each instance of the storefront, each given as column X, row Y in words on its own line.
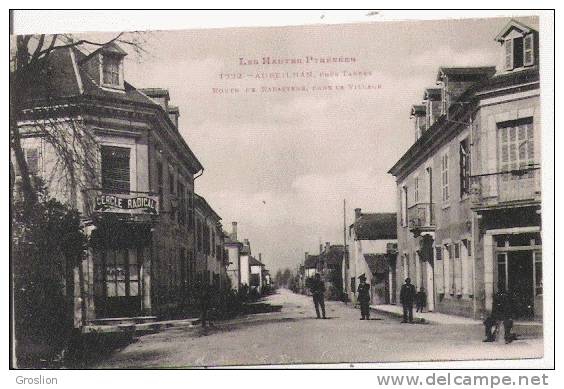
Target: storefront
column 122, row 249
column 519, row 270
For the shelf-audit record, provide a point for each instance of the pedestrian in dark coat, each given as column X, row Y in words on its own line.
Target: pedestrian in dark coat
column 503, row 310
column 420, row 300
column 204, row 296
column 317, row 290
column 407, row 297
column 364, row 298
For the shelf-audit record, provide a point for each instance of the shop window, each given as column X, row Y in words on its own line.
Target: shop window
column 121, row 273
column 502, row 271
column 115, row 169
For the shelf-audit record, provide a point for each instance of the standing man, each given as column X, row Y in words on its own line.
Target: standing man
column 364, row 298
column 317, row 290
column 204, row 301
column 407, row 295
column 502, row 311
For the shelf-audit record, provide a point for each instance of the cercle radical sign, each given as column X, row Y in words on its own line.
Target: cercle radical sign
column 128, row 204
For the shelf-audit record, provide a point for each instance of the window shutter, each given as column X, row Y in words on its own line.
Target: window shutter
column 509, row 54
column 438, row 267
column 528, row 50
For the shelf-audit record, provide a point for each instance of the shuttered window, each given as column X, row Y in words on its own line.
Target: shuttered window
column 438, row 267
column 115, row 169
column 457, row 269
column 464, row 168
column 444, row 177
column 509, row 54
column 516, row 147
column 528, row 50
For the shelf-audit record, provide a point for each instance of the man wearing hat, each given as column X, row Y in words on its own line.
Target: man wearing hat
column 364, row 297
column 407, row 296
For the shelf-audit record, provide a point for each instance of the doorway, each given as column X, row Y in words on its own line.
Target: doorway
column 516, row 274
column 117, row 286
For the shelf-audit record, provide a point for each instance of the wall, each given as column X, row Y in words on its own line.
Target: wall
column 453, row 225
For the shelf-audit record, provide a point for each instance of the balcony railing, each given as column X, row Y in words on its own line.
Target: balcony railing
column 421, row 216
column 506, row 187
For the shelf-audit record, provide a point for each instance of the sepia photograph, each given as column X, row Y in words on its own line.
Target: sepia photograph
column 312, row 194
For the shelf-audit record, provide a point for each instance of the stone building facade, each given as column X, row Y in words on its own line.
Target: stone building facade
column 469, row 187
column 137, row 201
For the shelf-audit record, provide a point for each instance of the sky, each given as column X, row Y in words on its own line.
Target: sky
column 281, row 163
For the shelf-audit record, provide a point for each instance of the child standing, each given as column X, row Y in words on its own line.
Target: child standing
column 420, row 300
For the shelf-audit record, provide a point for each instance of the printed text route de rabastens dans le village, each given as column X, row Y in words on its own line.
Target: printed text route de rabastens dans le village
column 307, row 69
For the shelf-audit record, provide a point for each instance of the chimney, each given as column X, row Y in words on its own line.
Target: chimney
column 260, row 257
column 327, row 245
column 306, row 255
column 174, row 114
column 248, row 244
column 234, row 231
column 357, row 213
column 320, row 248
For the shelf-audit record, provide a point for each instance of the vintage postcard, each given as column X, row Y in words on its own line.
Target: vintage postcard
column 299, row 195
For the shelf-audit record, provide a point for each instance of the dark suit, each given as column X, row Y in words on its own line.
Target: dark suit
column 407, row 297
column 502, row 311
column 317, row 290
column 364, row 300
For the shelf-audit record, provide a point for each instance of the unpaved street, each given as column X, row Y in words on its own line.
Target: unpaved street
column 295, row 336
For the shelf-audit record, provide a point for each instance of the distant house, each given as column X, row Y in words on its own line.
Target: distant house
column 329, row 265
column 244, row 262
column 233, row 252
column 310, row 265
column 256, row 268
column 210, row 264
column 372, row 252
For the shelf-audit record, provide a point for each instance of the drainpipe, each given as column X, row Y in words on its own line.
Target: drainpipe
column 194, row 232
column 473, row 221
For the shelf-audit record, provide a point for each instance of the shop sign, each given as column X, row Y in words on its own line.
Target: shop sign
column 130, row 204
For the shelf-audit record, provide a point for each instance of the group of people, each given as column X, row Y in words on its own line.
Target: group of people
column 502, row 310
column 408, row 296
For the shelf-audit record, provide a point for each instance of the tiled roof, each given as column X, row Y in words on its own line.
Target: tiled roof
column 201, row 203
column 377, row 263
column 255, row 262
column 374, row 226
column 334, row 256
column 311, row 261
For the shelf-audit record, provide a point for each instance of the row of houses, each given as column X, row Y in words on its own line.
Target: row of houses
column 468, row 198
column 151, row 237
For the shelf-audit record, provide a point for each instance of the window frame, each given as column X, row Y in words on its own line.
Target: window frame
column 445, row 179
column 130, row 175
column 465, row 166
column 107, row 60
